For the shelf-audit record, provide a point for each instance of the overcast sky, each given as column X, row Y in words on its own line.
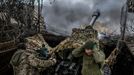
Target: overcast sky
column 63, row 15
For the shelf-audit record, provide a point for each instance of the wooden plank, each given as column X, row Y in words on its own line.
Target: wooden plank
column 7, row 45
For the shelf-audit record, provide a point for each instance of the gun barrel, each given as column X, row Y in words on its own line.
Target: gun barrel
column 93, row 20
column 95, row 16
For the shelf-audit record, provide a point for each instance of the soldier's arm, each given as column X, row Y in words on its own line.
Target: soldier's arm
column 96, row 48
column 36, row 62
column 98, row 54
column 77, row 52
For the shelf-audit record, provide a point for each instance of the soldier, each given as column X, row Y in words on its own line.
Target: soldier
column 91, row 58
column 28, row 62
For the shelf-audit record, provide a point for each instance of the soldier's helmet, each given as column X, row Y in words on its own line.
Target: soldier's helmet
column 89, row 45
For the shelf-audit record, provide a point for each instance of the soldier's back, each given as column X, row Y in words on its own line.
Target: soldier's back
column 21, row 65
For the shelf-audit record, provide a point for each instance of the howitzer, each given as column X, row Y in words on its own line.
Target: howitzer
column 67, row 66
column 95, row 16
column 64, row 65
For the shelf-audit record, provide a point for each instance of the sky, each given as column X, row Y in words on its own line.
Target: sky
column 63, row 15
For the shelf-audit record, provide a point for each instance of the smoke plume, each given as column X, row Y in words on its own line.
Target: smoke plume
column 63, row 15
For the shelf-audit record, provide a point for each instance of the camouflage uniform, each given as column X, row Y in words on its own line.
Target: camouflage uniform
column 90, row 66
column 29, row 62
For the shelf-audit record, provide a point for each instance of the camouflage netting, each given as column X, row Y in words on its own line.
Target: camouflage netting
column 78, row 38
column 18, row 18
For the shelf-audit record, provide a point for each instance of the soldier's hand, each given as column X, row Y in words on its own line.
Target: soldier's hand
column 106, row 61
column 54, row 60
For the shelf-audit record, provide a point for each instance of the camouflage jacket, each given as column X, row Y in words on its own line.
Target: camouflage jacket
column 30, row 63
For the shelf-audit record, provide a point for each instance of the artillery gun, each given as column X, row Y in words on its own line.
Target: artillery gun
column 79, row 36
column 95, row 16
